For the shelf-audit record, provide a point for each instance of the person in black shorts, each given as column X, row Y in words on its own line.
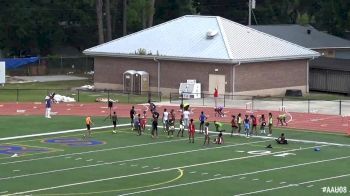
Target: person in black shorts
column 132, row 116
column 114, row 121
column 155, row 117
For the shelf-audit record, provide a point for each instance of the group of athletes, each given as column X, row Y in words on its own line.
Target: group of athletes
column 248, row 123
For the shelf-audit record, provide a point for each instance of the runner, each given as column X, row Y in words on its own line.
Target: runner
column 206, row 134
column 165, row 119
column 233, row 125
column 202, row 119
column 191, row 131
column 114, row 121
column 270, row 124
column 88, row 123
column 132, row 116
column 182, row 126
column 262, row 121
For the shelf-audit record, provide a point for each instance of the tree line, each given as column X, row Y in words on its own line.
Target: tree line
column 38, row 27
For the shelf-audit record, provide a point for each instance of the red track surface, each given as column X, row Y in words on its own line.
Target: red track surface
column 316, row 122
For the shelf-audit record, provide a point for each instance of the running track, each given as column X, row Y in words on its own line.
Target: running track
column 315, row 122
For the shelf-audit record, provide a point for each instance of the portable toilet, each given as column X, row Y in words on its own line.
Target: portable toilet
column 128, row 81
column 141, row 82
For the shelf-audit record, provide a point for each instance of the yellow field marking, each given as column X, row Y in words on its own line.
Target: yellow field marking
column 126, row 189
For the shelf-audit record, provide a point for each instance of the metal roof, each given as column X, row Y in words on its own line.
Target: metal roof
column 299, row 34
column 202, row 38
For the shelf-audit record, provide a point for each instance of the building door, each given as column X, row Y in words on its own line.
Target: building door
column 217, row 81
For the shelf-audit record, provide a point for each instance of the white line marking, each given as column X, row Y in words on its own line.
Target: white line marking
column 255, row 179
column 145, row 166
column 3, row 192
column 241, row 178
column 268, row 181
column 290, row 185
column 240, row 151
column 67, row 157
column 236, row 175
column 122, row 164
column 311, row 185
column 16, row 170
column 283, row 182
column 78, row 159
column 188, row 166
column 101, row 162
column 156, row 168
column 204, row 173
column 128, row 160
column 193, row 172
column 93, row 151
column 133, row 165
column 217, row 175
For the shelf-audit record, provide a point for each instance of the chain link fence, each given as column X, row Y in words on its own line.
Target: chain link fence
column 55, row 65
column 252, row 103
column 38, row 95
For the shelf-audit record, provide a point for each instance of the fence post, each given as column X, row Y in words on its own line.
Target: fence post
column 203, row 99
column 61, row 65
column 160, row 97
column 282, row 103
column 339, row 107
column 182, row 99
column 78, row 95
column 252, row 103
column 170, row 98
column 107, row 96
column 224, row 100
column 17, row 94
column 308, row 105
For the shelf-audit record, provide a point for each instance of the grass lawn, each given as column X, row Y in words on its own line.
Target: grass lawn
column 127, row 164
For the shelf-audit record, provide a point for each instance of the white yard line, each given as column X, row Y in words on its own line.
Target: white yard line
column 182, row 167
column 93, row 151
column 128, row 160
column 291, row 185
column 237, row 175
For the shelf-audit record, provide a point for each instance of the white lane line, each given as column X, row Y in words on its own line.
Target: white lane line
column 156, row 168
column 16, row 170
column 3, row 192
column 255, row 179
column 204, row 173
column 297, row 184
column 311, row 185
column 217, row 175
column 67, row 157
column 101, row 162
column 89, row 160
column 240, row 151
column 241, row 178
column 128, row 160
column 78, row 158
column 283, row 182
column 122, row 164
column 189, row 166
column 193, row 172
column 92, row 151
column 268, row 181
column 133, row 165
column 236, row 175
column 57, row 132
column 145, row 166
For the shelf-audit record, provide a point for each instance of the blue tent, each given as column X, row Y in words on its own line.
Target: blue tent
column 13, row 63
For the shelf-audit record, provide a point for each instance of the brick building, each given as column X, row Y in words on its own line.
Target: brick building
column 213, row 50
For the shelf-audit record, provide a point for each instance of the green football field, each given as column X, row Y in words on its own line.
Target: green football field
column 127, row 164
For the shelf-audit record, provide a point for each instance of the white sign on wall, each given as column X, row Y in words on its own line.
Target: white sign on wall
column 2, row 72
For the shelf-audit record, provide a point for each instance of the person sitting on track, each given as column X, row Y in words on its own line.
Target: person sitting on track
column 282, row 139
column 219, row 111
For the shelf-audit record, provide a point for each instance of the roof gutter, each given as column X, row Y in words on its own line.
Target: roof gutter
column 206, row 60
